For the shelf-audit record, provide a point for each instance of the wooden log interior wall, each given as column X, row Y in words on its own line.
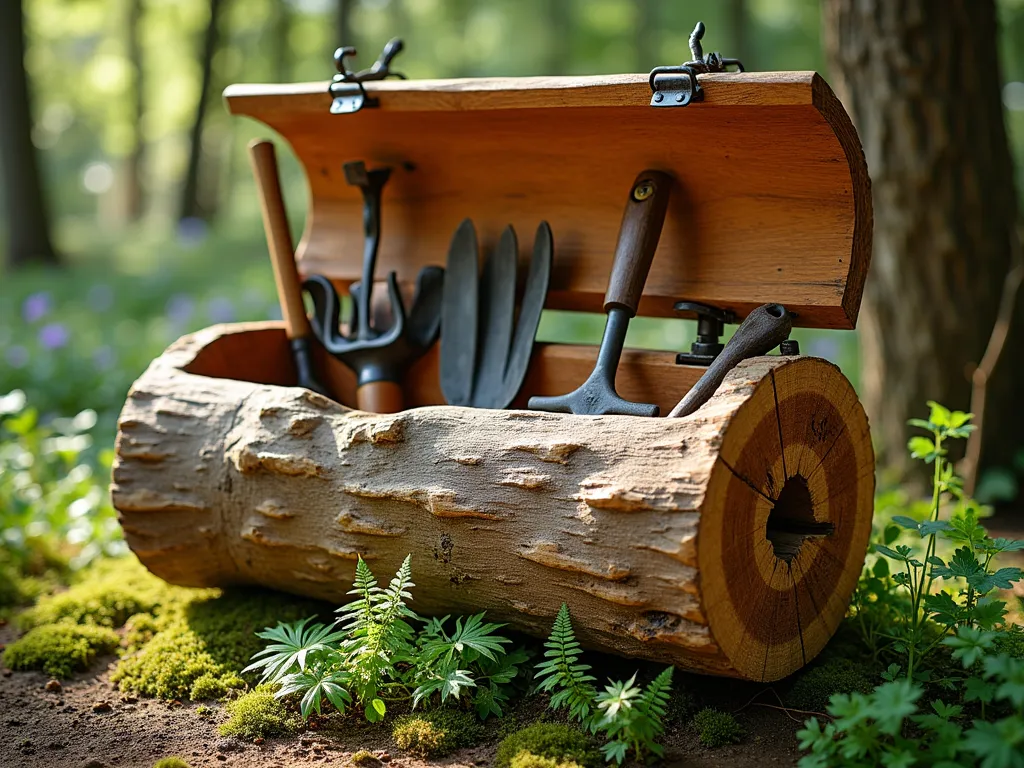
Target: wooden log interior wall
column 726, row 542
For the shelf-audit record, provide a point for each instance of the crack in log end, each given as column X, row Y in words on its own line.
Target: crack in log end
column 379, row 431
column 791, row 520
column 524, row 477
column 274, row 510
column 660, row 626
column 351, row 523
column 469, row 461
column 149, row 501
column 303, row 426
column 440, row 502
column 548, row 553
column 552, row 453
column 249, row 461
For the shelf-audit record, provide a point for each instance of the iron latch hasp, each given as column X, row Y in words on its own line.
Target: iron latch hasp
column 347, row 89
column 677, row 86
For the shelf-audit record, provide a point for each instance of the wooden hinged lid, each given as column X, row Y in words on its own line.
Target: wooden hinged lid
column 772, row 201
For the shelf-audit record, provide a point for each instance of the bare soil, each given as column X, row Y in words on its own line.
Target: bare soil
column 88, row 723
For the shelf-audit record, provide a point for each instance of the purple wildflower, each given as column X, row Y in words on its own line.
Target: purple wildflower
column 220, row 309
column 191, row 231
column 36, row 307
column 53, row 335
column 17, row 356
column 180, row 308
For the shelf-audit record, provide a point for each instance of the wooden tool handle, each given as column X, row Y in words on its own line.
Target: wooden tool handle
column 279, row 238
column 638, row 240
column 379, row 397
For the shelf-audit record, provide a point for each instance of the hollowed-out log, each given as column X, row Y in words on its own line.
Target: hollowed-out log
column 727, row 542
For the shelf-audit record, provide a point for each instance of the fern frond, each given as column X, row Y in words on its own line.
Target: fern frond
column 360, row 611
column 563, row 672
column 655, row 699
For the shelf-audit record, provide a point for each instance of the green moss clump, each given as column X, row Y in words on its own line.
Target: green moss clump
column 171, row 762
column 60, row 649
column 1011, row 642
column 813, row 688
column 106, row 595
column 139, row 630
column 548, row 741
column 530, row 760
column 363, row 758
column 201, row 645
column 436, row 733
column 716, row 729
column 257, row 714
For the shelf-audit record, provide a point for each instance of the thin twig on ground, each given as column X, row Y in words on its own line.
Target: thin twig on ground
column 993, row 351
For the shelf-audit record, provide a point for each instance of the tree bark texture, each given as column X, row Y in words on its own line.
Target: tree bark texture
column 27, row 218
column 727, row 542
column 921, row 81
column 191, row 205
column 135, row 202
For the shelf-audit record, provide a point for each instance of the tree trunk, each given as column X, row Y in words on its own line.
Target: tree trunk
column 727, row 542
column 343, row 20
column 645, row 35
column 736, row 15
column 135, row 202
column 191, row 205
column 28, row 224
column 559, row 23
column 921, row 81
column 280, row 41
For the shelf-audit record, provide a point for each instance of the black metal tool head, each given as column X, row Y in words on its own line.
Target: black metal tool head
column 597, row 395
column 373, row 355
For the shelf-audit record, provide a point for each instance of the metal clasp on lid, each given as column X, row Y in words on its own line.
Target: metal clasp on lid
column 677, row 86
column 347, row 89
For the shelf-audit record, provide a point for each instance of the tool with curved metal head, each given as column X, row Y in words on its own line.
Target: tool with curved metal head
column 763, row 329
column 378, row 357
column 638, row 240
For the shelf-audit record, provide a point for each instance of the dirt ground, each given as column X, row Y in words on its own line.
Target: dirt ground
column 89, row 724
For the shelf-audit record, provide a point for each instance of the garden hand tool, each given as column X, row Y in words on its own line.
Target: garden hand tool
column 638, row 240
column 483, row 357
column 282, row 257
column 378, row 357
column 763, row 329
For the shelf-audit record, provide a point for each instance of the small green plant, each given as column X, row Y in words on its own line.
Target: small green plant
column 716, row 729
column 171, row 762
column 60, row 649
column 257, row 714
column 436, row 733
column 363, row 758
column 560, row 744
column 630, row 717
column 376, row 655
column 920, row 617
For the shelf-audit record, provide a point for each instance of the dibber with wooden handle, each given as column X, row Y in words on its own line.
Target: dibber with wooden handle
column 638, row 240
column 282, row 257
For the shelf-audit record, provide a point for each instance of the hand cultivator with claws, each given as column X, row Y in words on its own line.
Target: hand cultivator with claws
column 378, row 357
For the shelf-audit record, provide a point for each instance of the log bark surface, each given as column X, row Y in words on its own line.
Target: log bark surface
column 670, row 539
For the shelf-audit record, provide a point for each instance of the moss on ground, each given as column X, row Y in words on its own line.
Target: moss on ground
column 436, row 733
column 814, row 687
column 60, row 649
column 258, row 715
column 562, row 745
column 171, row 762
column 179, row 643
column 716, row 729
column 363, row 759
column 199, row 646
column 530, row 760
column 1011, row 642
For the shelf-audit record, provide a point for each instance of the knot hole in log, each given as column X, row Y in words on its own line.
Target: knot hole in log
column 791, row 521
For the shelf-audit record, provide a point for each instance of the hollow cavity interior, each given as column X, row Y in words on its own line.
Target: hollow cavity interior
column 791, row 521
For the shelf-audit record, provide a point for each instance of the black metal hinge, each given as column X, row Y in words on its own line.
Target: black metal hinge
column 347, row 91
column 677, row 86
